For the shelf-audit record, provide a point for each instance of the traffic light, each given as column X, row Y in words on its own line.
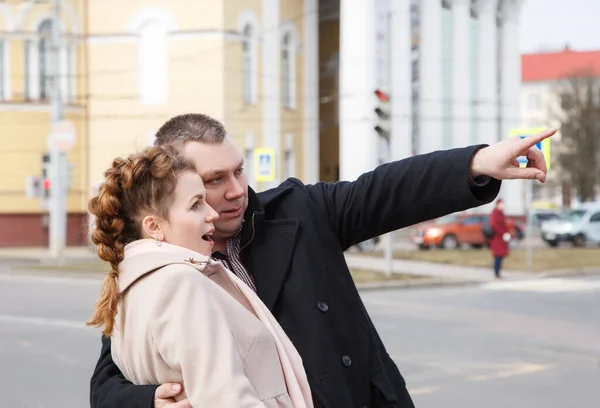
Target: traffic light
column 45, row 193
column 382, row 109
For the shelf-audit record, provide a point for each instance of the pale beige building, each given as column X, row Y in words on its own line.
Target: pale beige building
column 128, row 66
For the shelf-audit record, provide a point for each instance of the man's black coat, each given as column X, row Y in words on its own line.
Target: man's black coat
column 293, row 241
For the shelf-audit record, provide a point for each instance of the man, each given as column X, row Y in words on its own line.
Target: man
column 288, row 244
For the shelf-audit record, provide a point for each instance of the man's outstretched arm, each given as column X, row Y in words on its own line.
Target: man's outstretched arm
column 402, row 193
column 424, row 187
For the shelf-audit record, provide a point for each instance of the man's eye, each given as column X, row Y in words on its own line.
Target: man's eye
column 240, row 170
column 215, row 181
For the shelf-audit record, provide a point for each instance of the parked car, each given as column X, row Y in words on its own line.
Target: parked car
column 577, row 227
column 452, row 231
column 540, row 216
column 368, row 245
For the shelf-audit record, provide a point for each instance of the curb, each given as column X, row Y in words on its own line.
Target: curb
column 415, row 284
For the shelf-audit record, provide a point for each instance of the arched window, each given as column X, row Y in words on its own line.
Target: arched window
column 248, row 29
column 38, row 60
column 288, row 69
column 152, row 66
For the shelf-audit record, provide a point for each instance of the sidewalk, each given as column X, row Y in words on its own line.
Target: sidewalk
column 455, row 273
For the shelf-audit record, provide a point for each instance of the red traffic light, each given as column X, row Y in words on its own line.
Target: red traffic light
column 382, row 96
column 46, row 184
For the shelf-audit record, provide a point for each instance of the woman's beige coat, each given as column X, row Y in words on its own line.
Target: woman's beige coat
column 185, row 318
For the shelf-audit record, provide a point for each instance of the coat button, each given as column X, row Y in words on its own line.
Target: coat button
column 323, row 306
column 347, row 361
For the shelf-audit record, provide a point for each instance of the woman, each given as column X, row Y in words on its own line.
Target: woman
column 174, row 314
column 500, row 237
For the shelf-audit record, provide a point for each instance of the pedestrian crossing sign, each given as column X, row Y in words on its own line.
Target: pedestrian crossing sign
column 264, row 164
column 544, row 145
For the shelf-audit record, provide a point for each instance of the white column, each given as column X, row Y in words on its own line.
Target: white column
column 461, row 73
column 430, row 77
column 6, row 72
column 487, row 73
column 311, row 91
column 65, row 74
column 271, row 97
column 510, row 57
column 358, row 139
column 401, row 80
column 33, row 60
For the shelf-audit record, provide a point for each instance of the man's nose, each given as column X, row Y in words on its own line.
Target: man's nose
column 235, row 191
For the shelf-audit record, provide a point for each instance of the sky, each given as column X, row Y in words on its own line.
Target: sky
column 547, row 25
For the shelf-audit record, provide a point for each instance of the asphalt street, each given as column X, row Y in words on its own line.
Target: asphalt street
column 532, row 344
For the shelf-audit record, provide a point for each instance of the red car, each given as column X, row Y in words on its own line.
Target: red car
column 452, row 231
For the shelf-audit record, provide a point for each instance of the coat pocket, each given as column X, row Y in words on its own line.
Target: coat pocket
column 382, row 390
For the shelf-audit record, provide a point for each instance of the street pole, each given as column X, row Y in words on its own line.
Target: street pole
column 529, row 229
column 58, row 202
column 389, row 255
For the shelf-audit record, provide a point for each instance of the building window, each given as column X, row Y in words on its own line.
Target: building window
column 288, row 59
column 332, row 88
column 248, row 29
column 38, row 60
column 289, row 157
column 44, row 54
column 152, row 64
column 247, row 60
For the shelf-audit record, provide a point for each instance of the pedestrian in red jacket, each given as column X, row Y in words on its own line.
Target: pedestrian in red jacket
column 500, row 239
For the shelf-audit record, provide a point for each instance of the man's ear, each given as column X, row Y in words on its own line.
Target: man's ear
column 151, row 228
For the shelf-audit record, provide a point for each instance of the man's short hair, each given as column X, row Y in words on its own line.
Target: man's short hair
column 190, row 127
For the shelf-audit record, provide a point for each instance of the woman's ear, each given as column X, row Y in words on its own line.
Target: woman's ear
column 151, row 228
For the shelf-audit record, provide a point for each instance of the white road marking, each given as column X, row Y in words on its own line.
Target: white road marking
column 422, row 390
column 519, row 369
column 63, row 280
column 43, row 321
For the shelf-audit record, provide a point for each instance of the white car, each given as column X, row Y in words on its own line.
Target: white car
column 578, row 227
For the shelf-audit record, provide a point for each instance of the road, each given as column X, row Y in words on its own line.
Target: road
column 535, row 344
column 531, row 345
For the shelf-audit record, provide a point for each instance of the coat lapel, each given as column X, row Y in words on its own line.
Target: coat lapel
column 269, row 264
